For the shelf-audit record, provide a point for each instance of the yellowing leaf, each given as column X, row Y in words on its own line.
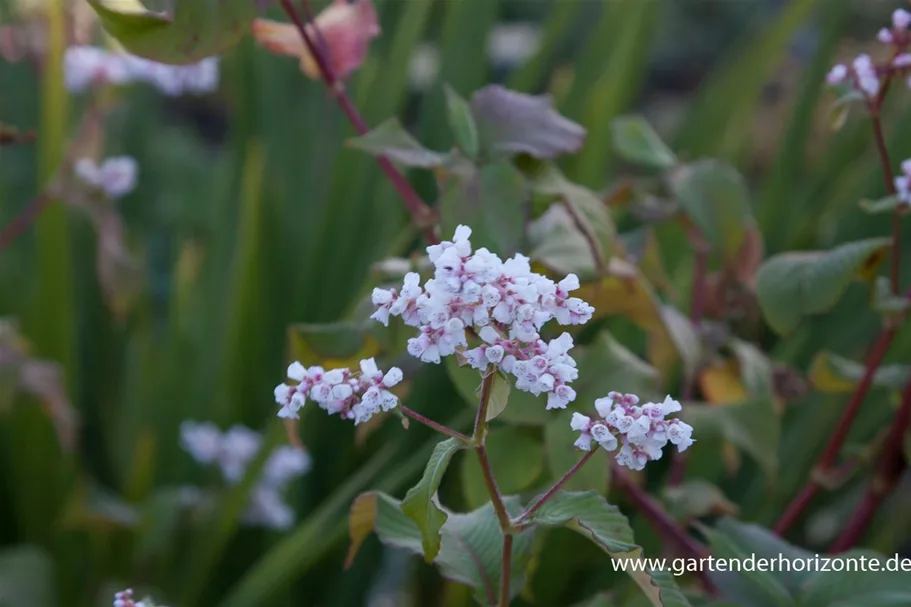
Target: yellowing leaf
column 834, row 374
column 345, row 28
column 721, row 384
column 360, row 523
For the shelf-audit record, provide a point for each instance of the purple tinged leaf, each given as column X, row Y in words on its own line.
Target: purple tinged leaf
column 518, row 123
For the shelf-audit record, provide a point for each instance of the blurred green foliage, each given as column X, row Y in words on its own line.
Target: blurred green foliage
column 252, row 215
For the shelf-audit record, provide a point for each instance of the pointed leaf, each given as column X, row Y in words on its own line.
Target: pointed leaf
column 331, row 345
column 714, row 196
column 461, row 122
column 513, row 123
column 792, row 285
column 755, row 368
column 636, row 141
column 196, row 29
column 471, row 550
column 419, row 504
column 589, row 514
column 563, row 455
column 390, row 139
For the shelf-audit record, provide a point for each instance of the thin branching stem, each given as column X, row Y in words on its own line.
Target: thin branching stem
column 421, row 214
column 442, row 429
column 23, row 220
column 557, row 486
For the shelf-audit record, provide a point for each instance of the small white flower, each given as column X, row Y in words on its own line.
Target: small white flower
column 202, row 441
column 885, row 36
column 902, row 61
column 901, row 19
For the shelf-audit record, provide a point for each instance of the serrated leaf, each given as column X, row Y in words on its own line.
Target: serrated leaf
column 390, row 139
column 419, row 505
column 331, row 345
column 515, row 123
column 753, row 426
column 834, row 374
column 636, row 141
column 714, row 196
column 461, row 122
column 792, row 285
column 516, row 457
column 471, row 548
column 589, row 514
column 490, row 199
column 194, row 30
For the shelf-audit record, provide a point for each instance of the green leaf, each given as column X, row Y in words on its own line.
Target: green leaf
column 390, row 139
column 563, row 455
column 332, row 345
column 562, row 248
column 696, row 498
column 26, row 577
column 792, row 285
column 686, row 339
column 606, row 365
column 637, row 142
column 499, row 396
column 834, row 374
column 590, row 215
column 882, row 205
column 590, row 515
column 751, row 425
column 887, row 303
column 516, row 457
column 462, row 123
column 515, row 123
column 523, row 408
column 419, row 505
column 471, row 550
column 196, row 29
column 714, row 196
column 752, row 588
column 491, row 200
column 755, row 368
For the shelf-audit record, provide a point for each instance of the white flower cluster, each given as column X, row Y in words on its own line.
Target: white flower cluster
column 87, row 66
column 232, row 451
column 644, row 430
column 116, row 176
column 125, row 599
column 863, row 74
column 352, row 396
column 903, row 183
column 504, row 302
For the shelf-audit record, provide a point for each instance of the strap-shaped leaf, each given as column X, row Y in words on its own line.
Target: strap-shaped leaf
column 471, row 550
column 589, row 514
column 793, row 285
column 194, row 30
column 419, row 505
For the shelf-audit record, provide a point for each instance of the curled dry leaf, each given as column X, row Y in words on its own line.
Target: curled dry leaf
column 517, row 123
column 39, row 378
column 345, row 29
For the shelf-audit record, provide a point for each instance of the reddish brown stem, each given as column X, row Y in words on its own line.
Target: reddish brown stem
column 557, row 486
column 421, row 214
column 837, row 440
column 493, row 490
column 592, row 242
column 505, row 568
column 27, row 217
column 434, row 425
column 889, row 178
column 888, row 471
